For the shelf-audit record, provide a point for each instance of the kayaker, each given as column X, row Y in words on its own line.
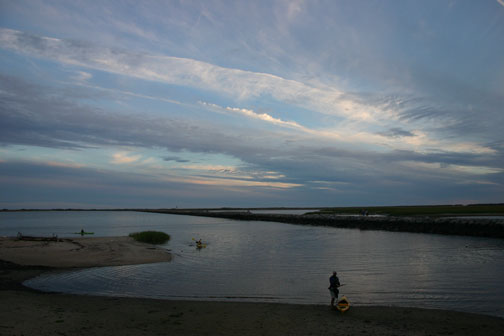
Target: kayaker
column 333, row 287
column 82, row 232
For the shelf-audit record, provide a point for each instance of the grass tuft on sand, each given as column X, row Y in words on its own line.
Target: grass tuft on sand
column 151, row 237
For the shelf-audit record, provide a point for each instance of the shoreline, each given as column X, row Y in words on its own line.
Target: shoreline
column 67, row 314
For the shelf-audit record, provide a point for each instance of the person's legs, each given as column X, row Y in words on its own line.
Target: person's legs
column 333, row 297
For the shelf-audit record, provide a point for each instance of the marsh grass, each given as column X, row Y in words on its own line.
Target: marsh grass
column 435, row 210
column 151, row 237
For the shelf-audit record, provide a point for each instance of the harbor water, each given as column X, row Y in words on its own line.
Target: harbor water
column 275, row 262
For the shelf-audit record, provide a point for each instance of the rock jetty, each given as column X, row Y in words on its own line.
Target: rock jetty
column 478, row 227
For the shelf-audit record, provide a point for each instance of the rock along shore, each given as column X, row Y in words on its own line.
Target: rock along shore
column 477, row 227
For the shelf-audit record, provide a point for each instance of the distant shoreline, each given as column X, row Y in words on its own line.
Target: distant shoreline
column 439, row 219
column 162, row 209
column 496, row 209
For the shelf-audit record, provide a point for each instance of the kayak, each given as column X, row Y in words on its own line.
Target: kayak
column 83, row 233
column 199, row 243
column 343, row 304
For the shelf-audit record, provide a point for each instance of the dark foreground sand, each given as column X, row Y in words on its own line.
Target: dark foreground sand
column 27, row 312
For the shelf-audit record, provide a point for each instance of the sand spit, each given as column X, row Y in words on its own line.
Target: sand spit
column 80, row 252
column 477, row 227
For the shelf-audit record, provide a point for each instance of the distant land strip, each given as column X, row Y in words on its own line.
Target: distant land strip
column 435, row 219
column 476, row 227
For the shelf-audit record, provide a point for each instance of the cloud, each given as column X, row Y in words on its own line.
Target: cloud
column 396, row 132
column 65, row 164
column 264, row 116
column 360, row 114
column 451, row 168
column 41, row 116
column 27, row 184
column 218, row 168
column 82, row 76
column 176, row 159
column 294, row 8
column 31, row 115
column 121, row 93
column 123, row 157
column 239, row 84
column 238, row 183
column 368, row 106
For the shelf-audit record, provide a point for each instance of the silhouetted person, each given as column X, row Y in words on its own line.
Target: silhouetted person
column 333, row 287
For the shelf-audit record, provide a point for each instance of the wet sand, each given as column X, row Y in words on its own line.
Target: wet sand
column 27, row 312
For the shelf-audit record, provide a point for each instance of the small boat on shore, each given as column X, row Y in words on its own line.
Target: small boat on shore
column 343, row 304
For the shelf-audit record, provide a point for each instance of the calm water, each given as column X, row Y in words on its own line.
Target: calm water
column 273, row 262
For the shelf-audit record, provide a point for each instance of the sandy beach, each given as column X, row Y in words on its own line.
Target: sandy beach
column 27, row 312
column 81, row 252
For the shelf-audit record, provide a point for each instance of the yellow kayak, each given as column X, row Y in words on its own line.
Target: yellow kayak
column 343, row 304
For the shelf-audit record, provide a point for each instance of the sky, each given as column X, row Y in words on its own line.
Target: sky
column 162, row 104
